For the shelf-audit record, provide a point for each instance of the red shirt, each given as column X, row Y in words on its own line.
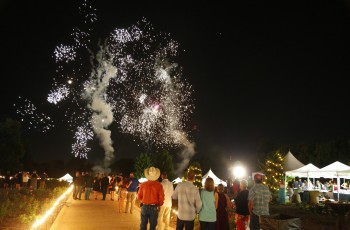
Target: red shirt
column 151, row 192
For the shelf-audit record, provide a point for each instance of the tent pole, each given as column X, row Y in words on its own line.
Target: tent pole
column 338, row 186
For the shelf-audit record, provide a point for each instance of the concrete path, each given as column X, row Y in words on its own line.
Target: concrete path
column 95, row 214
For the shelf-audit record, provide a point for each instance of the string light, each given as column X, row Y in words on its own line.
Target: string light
column 50, row 211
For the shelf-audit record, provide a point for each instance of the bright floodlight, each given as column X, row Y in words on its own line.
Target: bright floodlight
column 239, row 171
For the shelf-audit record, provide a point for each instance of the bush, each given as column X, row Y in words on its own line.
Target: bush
column 19, row 208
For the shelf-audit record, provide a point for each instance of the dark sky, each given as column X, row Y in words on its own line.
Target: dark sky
column 259, row 71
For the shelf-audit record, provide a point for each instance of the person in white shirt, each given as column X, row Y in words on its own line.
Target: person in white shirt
column 165, row 209
column 189, row 202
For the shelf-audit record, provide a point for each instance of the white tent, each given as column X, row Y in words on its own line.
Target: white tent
column 344, row 174
column 216, row 179
column 335, row 169
column 66, row 177
column 142, row 179
column 290, row 162
column 308, row 170
column 177, row 180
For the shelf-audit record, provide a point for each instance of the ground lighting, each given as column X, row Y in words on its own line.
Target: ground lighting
column 50, row 211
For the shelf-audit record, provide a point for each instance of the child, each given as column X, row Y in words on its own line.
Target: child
column 122, row 197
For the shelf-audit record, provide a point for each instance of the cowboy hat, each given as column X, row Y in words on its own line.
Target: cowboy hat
column 152, row 173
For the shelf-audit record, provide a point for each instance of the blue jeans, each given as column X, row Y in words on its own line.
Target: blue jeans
column 149, row 212
column 254, row 222
column 87, row 193
column 188, row 224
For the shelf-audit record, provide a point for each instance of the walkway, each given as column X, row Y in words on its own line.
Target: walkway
column 95, row 214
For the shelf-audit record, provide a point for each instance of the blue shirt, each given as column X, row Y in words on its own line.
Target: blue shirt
column 133, row 185
column 208, row 211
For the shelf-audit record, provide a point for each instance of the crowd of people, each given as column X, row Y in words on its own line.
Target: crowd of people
column 25, row 180
column 211, row 204
column 297, row 189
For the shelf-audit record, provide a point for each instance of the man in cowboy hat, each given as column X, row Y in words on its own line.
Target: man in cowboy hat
column 151, row 195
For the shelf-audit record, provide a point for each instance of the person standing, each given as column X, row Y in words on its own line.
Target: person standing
column 34, row 180
column 96, row 186
column 235, row 188
column 210, row 198
column 25, row 179
column 221, row 212
column 104, row 185
column 259, row 198
column 151, row 195
column 19, row 179
column 88, row 184
column 43, row 178
column 165, row 210
column 132, row 190
column 189, row 202
column 242, row 210
column 122, row 195
column 111, row 187
column 78, row 185
column 281, row 192
column 7, row 180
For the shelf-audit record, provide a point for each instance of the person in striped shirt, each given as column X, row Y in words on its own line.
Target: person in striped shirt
column 189, row 202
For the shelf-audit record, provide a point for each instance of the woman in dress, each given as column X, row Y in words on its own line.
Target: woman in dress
column 111, row 187
column 281, row 193
column 224, row 204
column 122, row 195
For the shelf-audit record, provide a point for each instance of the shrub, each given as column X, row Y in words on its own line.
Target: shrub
column 22, row 207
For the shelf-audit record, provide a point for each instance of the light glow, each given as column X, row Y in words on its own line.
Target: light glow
column 50, row 211
column 239, row 171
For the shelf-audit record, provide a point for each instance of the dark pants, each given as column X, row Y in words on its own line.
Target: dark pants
column 188, row 224
column 104, row 192
column 207, row 225
column 254, row 222
column 149, row 213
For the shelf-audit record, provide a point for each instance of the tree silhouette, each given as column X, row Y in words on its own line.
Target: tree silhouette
column 164, row 161
column 142, row 162
column 11, row 145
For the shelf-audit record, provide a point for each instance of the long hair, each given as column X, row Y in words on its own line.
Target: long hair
column 209, row 184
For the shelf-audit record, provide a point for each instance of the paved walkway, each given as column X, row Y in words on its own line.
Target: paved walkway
column 95, row 214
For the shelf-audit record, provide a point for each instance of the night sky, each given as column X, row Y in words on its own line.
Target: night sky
column 259, row 71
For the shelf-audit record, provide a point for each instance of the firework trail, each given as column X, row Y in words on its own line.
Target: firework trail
column 102, row 115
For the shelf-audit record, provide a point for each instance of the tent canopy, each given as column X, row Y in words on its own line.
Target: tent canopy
column 66, row 177
column 177, row 180
column 290, row 162
column 334, row 170
column 308, row 170
column 216, row 179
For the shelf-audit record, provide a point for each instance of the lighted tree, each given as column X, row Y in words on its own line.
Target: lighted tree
column 273, row 170
column 196, row 167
